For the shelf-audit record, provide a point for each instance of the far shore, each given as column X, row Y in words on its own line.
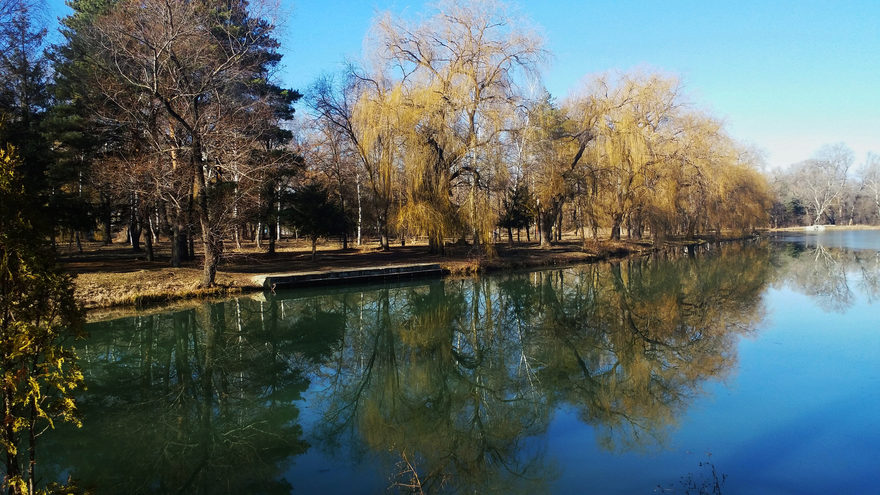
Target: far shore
column 808, row 228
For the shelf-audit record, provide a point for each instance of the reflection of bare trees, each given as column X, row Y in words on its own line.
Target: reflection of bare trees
column 197, row 401
column 657, row 330
column 431, row 386
column 868, row 266
column 827, row 274
column 451, row 384
column 456, row 380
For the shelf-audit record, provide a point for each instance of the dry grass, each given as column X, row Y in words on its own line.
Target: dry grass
column 113, row 276
column 149, row 286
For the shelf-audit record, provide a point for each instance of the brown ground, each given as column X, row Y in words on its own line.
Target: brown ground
column 114, row 275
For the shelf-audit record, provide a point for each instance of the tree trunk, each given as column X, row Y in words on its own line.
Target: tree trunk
column 236, row 228
column 382, row 221
column 134, row 238
column 272, row 224
column 344, row 221
column 314, row 247
column 360, row 213
column 271, row 250
column 559, row 227
column 545, row 229
column 107, row 212
column 211, row 242
column 278, row 214
column 151, row 228
column 615, row 227
column 148, row 239
column 134, row 227
column 510, row 235
column 189, row 236
column 176, row 245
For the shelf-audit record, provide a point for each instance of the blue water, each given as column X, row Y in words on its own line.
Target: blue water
column 749, row 368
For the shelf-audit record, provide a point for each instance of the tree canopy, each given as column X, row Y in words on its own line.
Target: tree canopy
column 164, row 121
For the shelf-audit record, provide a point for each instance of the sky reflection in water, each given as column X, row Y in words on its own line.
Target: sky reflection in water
column 758, row 358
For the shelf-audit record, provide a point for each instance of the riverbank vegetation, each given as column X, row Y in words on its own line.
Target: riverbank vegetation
column 39, row 318
column 110, row 276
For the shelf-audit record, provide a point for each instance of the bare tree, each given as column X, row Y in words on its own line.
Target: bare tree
column 870, row 177
column 198, row 62
column 821, row 180
column 362, row 111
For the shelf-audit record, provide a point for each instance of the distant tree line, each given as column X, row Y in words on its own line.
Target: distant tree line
column 829, row 188
column 163, row 119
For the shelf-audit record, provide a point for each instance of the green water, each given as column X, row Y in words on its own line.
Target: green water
column 747, row 367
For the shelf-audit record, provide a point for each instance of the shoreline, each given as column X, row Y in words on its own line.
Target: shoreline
column 824, row 228
column 156, row 284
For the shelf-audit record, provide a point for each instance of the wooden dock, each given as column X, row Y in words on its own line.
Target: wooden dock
column 274, row 281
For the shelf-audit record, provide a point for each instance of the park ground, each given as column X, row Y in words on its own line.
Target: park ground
column 114, row 276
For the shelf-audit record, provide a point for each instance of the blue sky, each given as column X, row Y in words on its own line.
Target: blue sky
column 786, row 76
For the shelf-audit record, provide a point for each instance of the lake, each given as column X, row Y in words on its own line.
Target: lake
column 741, row 368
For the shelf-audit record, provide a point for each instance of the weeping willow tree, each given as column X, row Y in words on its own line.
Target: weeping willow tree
column 708, row 183
column 651, row 164
column 550, row 167
column 560, row 169
column 457, row 73
column 635, row 136
column 442, row 125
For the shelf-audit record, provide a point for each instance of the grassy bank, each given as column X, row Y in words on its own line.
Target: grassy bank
column 113, row 276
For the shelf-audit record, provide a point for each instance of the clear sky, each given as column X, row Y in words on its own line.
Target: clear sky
column 786, row 76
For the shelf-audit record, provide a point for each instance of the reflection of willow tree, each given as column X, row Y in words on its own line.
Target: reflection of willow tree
column 456, row 380
column 826, row 274
column 431, row 385
column 199, row 401
column 635, row 340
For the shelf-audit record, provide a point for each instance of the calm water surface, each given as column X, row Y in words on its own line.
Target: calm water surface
column 751, row 368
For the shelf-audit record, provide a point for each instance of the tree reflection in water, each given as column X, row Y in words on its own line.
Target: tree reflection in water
column 195, row 401
column 451, row 384
column 826, row 274
column 456, row 380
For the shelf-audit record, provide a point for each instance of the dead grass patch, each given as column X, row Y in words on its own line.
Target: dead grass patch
column 113, row 276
